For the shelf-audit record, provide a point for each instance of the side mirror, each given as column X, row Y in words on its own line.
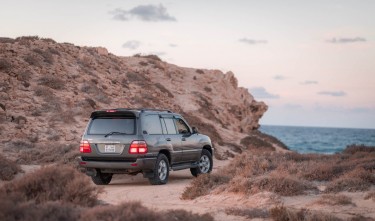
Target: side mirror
column 195, row 130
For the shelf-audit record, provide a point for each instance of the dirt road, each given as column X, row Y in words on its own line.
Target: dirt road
column 162, row 197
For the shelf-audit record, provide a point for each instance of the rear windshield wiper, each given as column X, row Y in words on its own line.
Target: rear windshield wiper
column 114, row 132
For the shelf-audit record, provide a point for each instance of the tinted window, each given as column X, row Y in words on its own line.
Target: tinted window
column 107, row 125
column 171, row 129
column 151, row 124
column 182, row 128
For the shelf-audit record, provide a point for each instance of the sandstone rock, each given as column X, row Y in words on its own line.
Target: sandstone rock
column 213, row 101
column 102, row 51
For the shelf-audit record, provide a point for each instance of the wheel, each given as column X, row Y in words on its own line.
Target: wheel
column 161, row 171
column 102, row 178
column 204, row 165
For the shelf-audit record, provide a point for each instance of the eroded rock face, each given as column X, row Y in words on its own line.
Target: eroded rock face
column 49, row 89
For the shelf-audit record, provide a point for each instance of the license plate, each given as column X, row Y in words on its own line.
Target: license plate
column 109, row 148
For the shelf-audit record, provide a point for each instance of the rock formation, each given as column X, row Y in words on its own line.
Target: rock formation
column 48, row 90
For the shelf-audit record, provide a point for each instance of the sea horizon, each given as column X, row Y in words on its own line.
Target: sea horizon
column 327, row 140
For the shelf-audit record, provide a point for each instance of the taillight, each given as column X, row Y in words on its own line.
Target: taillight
column 138, row 147
column 85, row 147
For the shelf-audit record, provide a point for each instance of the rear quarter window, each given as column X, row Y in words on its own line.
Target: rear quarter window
column 151, row 124
column 108, row 125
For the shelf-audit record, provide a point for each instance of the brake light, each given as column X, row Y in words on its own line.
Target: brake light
column 111, row 111
column 85, row 147
column 138, row 147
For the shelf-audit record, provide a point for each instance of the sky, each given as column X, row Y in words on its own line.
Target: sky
column 311, row 62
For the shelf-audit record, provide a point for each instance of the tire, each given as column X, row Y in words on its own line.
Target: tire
column 102, row 178
column 205, row 164
column 161, row 171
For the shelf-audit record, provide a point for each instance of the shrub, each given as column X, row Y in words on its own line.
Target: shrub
column 370, row 195
column 250, row 213
column 325, row 171
column 203, row 184
column 11, row 209
column 54, row 183
column 18, row 145
column 207, row 89
column 282, row 185
column 137, row 78
column 47, row 55
column 356, row 180
column 352, row 149
column 32, row 60
column 4, row 64
column 199, row 71
column 281, row 213
column 43, row 91
column 334, row 200
column 134, row 211
column 52, row 82
column 143, row 63
column 91, row 102
column 183, row 215
column 46, row 153
column 6, row 40
column 8, row 168
column 254, row 142
column 164, row 90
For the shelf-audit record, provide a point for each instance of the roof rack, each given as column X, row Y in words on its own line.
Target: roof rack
column 151, row 109
column 139, row 109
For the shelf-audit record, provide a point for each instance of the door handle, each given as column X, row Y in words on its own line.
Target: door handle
column 183, row 139
column 168, row 139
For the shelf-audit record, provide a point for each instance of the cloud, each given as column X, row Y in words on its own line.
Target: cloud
column 153, row 13
column 333, row 93
column 279, row 77
column 131, row 44
column 252, row 41
column 309, row 82
column 158, row 53
column 346, row 40
column 262, row 93
column 292, row 106
column 172, row 45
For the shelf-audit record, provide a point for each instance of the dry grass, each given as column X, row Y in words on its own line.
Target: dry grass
column 13, row 210
column 290, row 174
column 255, row 142
column 352, row 149
column 62, row 193
column 5, row 64
column 52, row 82
column 249, row 213
column 370, row 195
column 53, row 183
column 61, row 153
column 335, row 200
column 203, row 184
column 134, row 211
column 8, row 168
column 281, row 213
column 355, row 180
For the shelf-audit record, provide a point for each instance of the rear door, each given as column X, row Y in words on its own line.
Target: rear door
column 172, row 137
column 110, row 135
column 152, row 133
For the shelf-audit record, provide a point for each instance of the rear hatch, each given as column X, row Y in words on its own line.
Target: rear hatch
column 110, row 134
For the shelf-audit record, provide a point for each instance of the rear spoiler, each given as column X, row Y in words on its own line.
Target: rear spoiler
column 114, row 113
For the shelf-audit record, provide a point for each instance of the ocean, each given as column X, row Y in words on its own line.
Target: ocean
column 320, row 139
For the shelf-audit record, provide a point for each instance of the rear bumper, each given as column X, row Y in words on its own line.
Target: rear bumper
column 140, row 164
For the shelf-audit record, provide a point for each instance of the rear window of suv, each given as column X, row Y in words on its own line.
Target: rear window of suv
column 105, row 125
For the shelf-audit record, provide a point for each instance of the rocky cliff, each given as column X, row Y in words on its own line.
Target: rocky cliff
column 48, row 90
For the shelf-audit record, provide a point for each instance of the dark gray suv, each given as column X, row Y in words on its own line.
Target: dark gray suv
column 147, row 141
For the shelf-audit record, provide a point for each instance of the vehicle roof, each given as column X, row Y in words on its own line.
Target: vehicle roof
column 134, row 111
